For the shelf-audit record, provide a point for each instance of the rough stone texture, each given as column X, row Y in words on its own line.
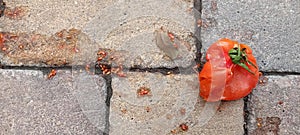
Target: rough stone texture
column 49, row 17
column 72, row 104
column 66, row 47
column 132, row 28
column 271, row 28
column 274, row 107
column 221, row 118
column 169, row 94
column 174, row 100
column 126, row 26
column 32, row 104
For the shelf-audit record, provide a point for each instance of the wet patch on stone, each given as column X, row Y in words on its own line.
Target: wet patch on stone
column 37, row 49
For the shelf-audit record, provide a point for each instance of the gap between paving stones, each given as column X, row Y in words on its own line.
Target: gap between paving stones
column 198, row 43
column 280, row 73
column 246, row 115
column 34, row 104
column 162, row 70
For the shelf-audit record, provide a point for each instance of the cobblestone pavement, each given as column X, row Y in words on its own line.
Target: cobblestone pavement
column 125, row 67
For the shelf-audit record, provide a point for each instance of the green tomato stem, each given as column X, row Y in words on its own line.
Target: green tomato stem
column 240, row 58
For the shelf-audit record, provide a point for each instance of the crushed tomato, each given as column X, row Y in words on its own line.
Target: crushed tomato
column 224, row 79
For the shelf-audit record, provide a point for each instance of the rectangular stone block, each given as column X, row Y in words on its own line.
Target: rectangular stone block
column 36, row 33
column 68, row 103
column 152, row 103
column 274, row 107
column 221, row 118
column 134, row 28
column 270, row 28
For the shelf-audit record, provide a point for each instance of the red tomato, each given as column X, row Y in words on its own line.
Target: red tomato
column 223, row 77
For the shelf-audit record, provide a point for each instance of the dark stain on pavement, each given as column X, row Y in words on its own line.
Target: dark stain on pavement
column 214, row 5
column 268, row 126
column 2, row 7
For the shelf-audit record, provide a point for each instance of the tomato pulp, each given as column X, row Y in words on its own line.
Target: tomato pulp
column 230, row 73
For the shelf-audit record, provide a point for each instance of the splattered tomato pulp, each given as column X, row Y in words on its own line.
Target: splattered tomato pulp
column 230, row 72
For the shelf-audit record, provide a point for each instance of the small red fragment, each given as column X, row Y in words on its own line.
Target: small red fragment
column 143, row 91
column 101, row 55
column 52, row 74
column 105, row 69
column 118, row 71
column 183, row 127
column 262, row 79
column 171, row 36
column 59, row 34
column 1, row 40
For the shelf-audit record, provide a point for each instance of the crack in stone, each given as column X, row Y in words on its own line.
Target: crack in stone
column 162, row 70
column 246, row 114
column 278, row 73
column 44, row 70
column 2, row 7
column 197, row 37
column 109, row 92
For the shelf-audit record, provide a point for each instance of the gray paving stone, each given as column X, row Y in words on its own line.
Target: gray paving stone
column 131, row 29
column 271, row 28
column 49, row 17
column 126, row 26
column 226, row 118
column 174, row 100
column 45, row 18
column 65, row 104
column 274, row 107
column 66, row 47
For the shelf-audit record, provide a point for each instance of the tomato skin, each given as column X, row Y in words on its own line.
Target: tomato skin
column 237, row 82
